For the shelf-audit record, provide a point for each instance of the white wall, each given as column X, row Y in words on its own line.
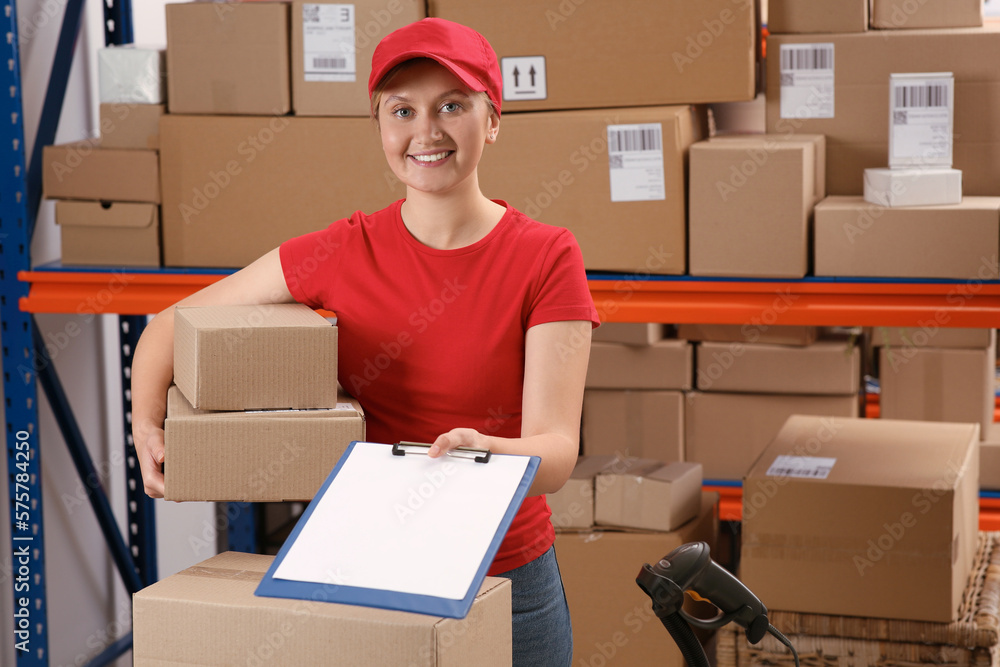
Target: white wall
column 88, row 607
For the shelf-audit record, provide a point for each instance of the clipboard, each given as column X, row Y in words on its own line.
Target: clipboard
column 396, row 530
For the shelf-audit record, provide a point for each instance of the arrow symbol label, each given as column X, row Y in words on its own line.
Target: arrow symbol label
column 523, row 78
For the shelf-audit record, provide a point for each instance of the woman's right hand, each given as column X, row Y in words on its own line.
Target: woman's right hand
column 149, row 452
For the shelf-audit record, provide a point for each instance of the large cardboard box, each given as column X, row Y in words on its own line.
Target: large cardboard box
column 989, row 458
column 825, row 367
column 649, row 495
column 856, row 238
column 131, row 125
column 213, row 607
column 726, row 433
column 236, row 187
column 929, row 333
column 938, row 384
column 841, row 89
column 109, row 233
column 666, row 364
column 332, row 47
column 809, row 16
column 573, row 505
column 262, row 356
column 228, row 58
column 613, row 620
column 863, row 517
column 751, row 202
column 254, row 456
column 629, row 333
column 896, row 14
column 753, row 332
column 646, row 424
column 643, row 52
column 85, row 170
column 616, row 178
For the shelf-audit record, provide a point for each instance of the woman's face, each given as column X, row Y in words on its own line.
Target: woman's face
column 433, row 128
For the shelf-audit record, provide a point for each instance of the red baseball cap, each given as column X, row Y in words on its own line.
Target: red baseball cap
column 462, row 50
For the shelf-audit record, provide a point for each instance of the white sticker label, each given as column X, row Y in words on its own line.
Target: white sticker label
column 635, row 162
column 806, row 80
column 328, row 50
column 921, row 120
column 344, row 406
column 810, row 467
column 523, row 78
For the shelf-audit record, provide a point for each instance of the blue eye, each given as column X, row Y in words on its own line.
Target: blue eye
column 450, row 107
column 402, row 113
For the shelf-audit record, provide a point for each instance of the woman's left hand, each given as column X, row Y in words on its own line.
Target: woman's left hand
column 458, row 437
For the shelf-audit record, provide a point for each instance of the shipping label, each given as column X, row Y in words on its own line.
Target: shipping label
column 328, row 48
column 523, row 78
column 635, row 162
column 806, row 80
column 921, row 119
column 807, row 467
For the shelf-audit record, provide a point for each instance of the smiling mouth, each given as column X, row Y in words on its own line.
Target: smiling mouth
column 432, row 157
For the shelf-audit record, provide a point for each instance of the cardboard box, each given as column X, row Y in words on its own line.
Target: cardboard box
column 896, row 14
column 666, row 52
column 236, row 187
column 626, row 207
column 843, row 93
column 105, row 233
column 213, row 606
column 857, row 512
column 613, row 620
column 989, row 458
column 255, row 357
column 131, row 125
column 332, row 47
column 751, row 201
column 932, row 334
column 753, row 332
column 726, row 433
column 645, row 424
column 809, row 16
column 629, row 333
column 573, row 505
column 825, row 367
column 650, row 495
column 666, row 364
column 855, row 238
column 85, row 170
column 130, row 74
column 228, row 58
column 254, row 456
column 913, row 187
column 938, row 384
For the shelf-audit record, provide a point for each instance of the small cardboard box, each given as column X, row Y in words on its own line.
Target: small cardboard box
column 753, row 332
column 644, row 423
column 649, row 495
column 131, row 125
column 856, row 238
column 213, row 607
column 918, row 186
column 900, row 14
column 613, row 620
column 109, row 233
column 228, row 58
column 130, row 74
column 264, row 356
column 592, row 173
column 751, row 202
column 666, row 364
column 332, row 47
column 929, row 333
column 938, row 384
column 989, row 458
column 254, row 456
column 825, row 367
column 863, row 517
column 629, row 333
column 573, row 505
column 726, row 433
column 85, row 170
column 809, row 16
column 645, row 52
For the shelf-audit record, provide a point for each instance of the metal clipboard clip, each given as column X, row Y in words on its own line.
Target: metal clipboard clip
column 402, row 448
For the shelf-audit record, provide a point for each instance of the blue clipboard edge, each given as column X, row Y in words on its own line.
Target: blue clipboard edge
column 422, row 604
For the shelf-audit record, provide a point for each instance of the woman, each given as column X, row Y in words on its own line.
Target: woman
column 479, row 317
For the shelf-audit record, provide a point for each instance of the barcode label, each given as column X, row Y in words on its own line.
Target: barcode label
column 336, row 64
column 806, row 76
column 627, row 141
column 804, row 467
column 922, row 97
column 328, row 44
column 806, row 57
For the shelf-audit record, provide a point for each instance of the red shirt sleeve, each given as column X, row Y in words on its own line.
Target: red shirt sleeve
column 562, row 290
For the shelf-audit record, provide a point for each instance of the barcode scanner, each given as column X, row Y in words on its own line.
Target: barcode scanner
column 690, row 569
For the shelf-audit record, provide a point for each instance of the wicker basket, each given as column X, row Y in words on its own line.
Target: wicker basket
column 848, row 641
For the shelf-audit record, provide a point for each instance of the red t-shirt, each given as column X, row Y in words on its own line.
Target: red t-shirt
column 431, row 340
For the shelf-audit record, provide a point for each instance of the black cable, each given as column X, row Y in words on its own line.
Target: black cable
column 691, row 648
column 784, row 640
